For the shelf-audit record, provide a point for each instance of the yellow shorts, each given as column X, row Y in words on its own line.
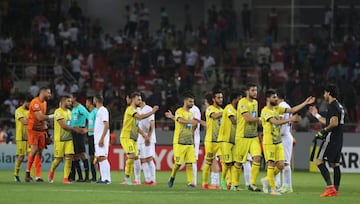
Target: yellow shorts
column 62, row 148
column 22, row 147
column 129, row 146
column 227, row 151
column 184, row 153
column 243, row 146
column 274, row 152
column 211, row 150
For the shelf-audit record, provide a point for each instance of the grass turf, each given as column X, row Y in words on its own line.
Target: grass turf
column 307, row 188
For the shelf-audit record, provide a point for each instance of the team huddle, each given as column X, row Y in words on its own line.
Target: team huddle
column 232, row 138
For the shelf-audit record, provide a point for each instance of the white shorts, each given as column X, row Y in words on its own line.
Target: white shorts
column 104, row 150
column 146, row 151
column 287, row 141
column 249, row 158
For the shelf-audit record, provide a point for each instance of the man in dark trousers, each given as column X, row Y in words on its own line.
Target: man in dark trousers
column 79, row 114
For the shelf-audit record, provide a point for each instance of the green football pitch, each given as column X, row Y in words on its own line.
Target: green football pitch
column 307, row 188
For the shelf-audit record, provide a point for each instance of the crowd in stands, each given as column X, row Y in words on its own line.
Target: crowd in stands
column 173, row 59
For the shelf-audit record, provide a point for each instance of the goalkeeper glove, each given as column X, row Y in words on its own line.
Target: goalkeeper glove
column 321, row 134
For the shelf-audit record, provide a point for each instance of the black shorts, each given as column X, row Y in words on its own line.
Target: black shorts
column 79, row 142
column 330, row 152
column 91, row 145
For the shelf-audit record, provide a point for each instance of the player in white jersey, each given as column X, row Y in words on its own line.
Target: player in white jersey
column 102, row 139
column 287, row 141
column 197, row 116
column 146, row 145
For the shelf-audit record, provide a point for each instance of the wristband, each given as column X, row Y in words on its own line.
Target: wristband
column 317, row 116
column 51, row 116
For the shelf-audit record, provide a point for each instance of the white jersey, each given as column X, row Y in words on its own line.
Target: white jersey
column 144, row 124
column 101, row 116
column 197, row 115
column 285, row 128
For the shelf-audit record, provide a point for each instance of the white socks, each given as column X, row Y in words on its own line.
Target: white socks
column 215, row 181
column 147, row 173
column 105, row 170
column 149, row 170
column 287, row 176
column 247, row 172
column 137, row 170
column 194, row 168
column 152, row 170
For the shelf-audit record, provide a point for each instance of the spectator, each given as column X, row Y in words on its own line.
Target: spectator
column 144, row 20
column 272, row 20
column 164, row 17
column 191, row 58
column 328, row 19
column 208, row 66
column 33, row 89
column 76, row 67
column 75, row 11
column 177, row 55
column 60, row 88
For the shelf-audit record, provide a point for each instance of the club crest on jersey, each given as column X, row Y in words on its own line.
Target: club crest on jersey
column 36, row 105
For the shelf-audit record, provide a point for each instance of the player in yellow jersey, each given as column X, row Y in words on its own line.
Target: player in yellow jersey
column 130, row 130
column 246, row 137
column 226, row 137
column 273, row 148
column 213, row 120
column 63, row 142
column 21, row 116
column 183, row 142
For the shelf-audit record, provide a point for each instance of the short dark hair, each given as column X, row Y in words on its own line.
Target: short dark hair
column 76, row 95
column 208, row 98
column 188, row 94
column 332, row 89
column 99, row 98
column 90, row 98
column 217, row 91
column 249, row 85
column 28, row 98
column 280, row 94
column 234, row 95
column 143, row 96
column 134, row 94
column 63, row 98
column 269, row 93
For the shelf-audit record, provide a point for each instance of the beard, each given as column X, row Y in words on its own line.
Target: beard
column 273, row 103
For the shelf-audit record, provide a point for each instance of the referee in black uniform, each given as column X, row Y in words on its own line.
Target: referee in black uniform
column 332, row 136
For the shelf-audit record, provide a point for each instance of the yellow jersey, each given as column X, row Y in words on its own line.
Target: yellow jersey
column 271, row 132
column 184, row 133
column 243, row 128
column 212, row 125
column 130, row 124
column 21, row 132
column 227, row 129
column 60, row 134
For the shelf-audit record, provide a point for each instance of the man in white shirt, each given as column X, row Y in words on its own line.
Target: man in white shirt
column 102, row 139
column 197, row 116
column 177, row 57
column 287, row 141
column 191, row 59
column 146, row 145
column 208, row 66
